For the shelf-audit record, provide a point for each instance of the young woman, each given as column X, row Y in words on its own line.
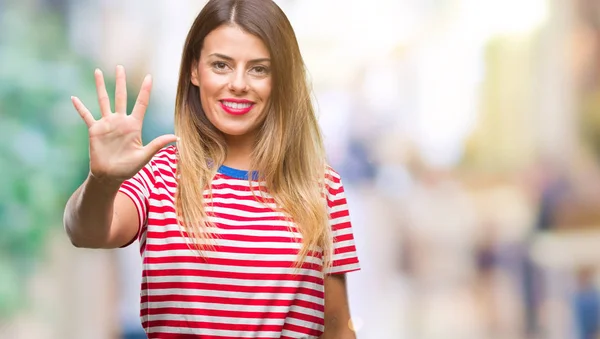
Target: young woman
column 243, row 228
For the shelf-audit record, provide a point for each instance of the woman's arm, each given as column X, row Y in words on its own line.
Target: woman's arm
column 337, row 309
column 98, row 216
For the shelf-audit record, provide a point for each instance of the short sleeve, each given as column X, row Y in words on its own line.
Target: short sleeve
column 138, row 189
column 345, row 258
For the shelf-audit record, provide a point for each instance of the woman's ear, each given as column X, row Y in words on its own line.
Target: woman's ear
column 195, row 78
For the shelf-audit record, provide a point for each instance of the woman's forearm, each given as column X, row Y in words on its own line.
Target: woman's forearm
column 89, row 212
column 337, row 330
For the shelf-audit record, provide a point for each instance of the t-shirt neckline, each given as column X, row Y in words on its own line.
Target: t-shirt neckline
column 237, row 173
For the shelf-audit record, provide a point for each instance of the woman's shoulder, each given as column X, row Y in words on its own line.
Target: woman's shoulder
column 167, row 153
column 165, row 160
column 332, row 177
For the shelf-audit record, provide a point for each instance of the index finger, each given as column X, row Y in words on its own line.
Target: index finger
column 141, row 104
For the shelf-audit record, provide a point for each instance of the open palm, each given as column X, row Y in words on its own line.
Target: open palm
column 116, row 149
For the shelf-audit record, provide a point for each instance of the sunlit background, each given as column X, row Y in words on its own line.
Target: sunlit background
column 467, row 133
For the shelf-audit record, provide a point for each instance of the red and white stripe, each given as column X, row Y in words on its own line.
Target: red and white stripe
column 246, row 285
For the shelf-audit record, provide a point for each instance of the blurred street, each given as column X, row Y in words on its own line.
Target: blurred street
column 466, row 132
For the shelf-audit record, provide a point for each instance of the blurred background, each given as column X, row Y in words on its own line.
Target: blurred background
column 467, row 133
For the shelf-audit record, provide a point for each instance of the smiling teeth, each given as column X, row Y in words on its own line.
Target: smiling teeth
column 236, row 105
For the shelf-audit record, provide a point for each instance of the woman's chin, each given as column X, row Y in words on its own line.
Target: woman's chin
column 237, row 132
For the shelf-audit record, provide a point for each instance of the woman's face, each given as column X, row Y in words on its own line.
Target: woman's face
column 234, row 78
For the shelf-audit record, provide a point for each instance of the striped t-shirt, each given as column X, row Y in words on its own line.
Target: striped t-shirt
column 246, row 285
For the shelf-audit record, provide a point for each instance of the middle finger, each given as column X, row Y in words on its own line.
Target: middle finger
column 121, row 91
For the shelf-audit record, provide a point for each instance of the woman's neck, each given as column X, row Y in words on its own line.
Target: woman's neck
column 239, row 153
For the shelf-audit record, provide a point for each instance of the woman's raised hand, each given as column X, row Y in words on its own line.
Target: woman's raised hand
column 116, row 149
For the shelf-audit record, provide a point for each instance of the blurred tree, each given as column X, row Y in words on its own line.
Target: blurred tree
column 502, row 140
column 43, row 142
column 586, row 50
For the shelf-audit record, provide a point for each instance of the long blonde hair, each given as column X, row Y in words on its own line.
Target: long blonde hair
column 288, row 154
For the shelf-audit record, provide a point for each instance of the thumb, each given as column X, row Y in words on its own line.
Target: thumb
column 157, row 144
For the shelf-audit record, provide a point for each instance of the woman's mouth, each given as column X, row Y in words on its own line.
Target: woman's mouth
column 236, row 107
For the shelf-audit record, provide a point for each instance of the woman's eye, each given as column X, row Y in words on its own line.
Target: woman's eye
column 260, row 70
column 219, row 65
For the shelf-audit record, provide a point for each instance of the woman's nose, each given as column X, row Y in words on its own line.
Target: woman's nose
column 238, row 83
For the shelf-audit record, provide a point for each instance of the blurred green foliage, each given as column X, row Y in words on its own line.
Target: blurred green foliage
column 42, row 148
column 43, row 142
